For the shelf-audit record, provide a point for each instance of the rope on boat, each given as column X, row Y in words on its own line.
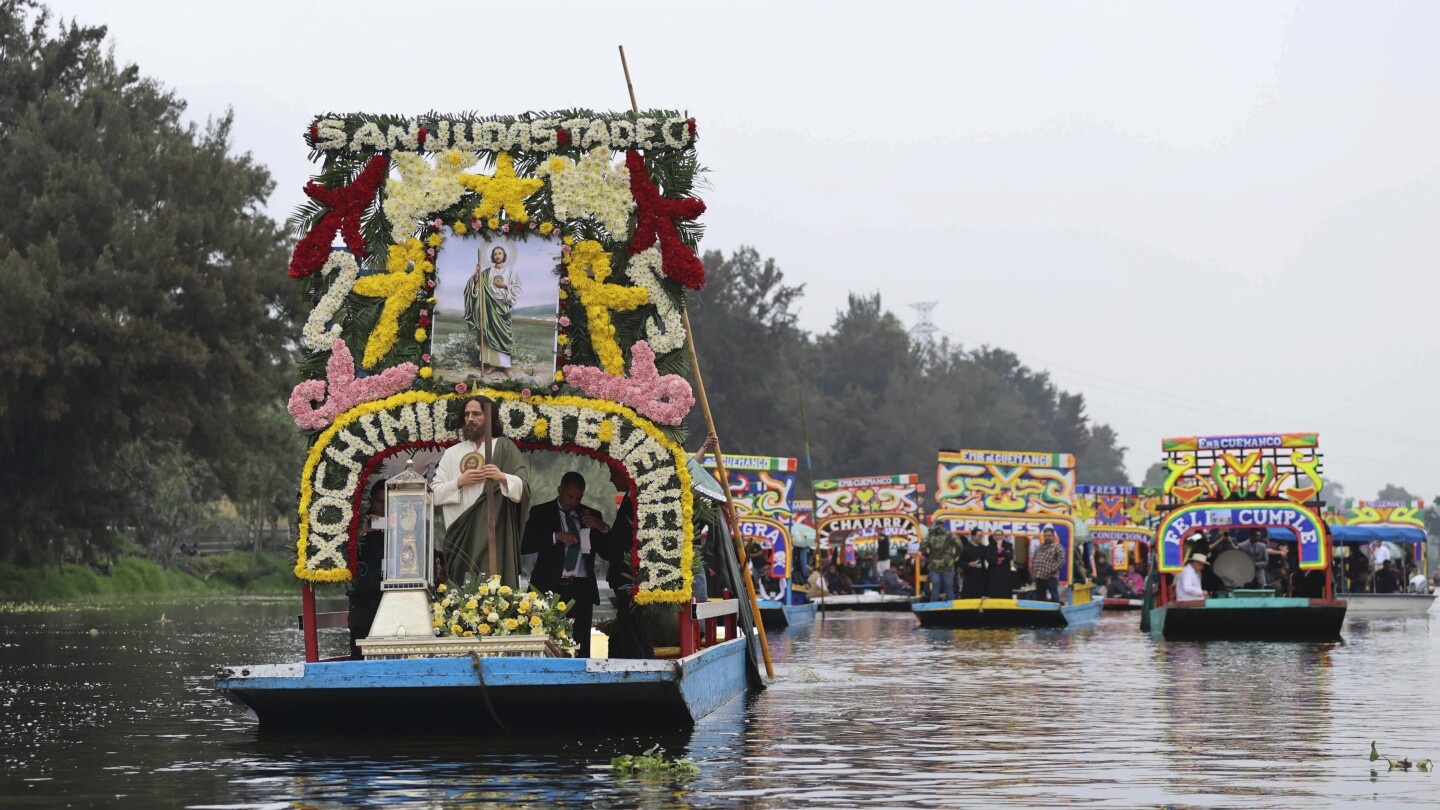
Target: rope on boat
column 485, row 693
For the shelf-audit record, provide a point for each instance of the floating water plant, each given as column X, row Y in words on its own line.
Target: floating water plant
column 1402, row 763
column 652, row 764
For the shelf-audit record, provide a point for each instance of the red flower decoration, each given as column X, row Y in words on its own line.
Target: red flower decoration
column 347, row 204
column 425, row 133
column 314, row 134
column 562, row 137
column 655, row 218
column 690, row 124
column 424, row 321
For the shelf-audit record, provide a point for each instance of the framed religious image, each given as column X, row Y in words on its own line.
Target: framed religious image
column 495, row 312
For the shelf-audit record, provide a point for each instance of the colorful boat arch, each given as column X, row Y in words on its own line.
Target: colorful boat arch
column 1305, row 523
column 1123, row 541
column 869, row 505
column 773, row 534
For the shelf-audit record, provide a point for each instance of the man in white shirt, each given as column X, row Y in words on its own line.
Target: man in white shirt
column 461, row 479
column 1187, row 585
column 1378, row 555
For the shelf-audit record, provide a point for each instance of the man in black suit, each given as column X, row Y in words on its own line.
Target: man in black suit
column 566, row 534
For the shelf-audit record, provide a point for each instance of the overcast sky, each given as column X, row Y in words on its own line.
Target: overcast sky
column 1207, row 217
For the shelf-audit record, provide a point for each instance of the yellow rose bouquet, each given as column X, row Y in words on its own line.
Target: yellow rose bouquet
column 491, row 609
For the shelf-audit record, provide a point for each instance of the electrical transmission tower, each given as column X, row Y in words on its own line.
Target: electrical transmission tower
column 924, row 329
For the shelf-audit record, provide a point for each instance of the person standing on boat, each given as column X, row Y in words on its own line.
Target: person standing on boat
column 629, row 634
column 1258, row 547
column 1000, row 584
column 1187, row 585
column 1045, row 565
column 363, row 592
column 940, row 548
column 565, row 534
column 461, row 480
column 973, row 559
column 882, row 555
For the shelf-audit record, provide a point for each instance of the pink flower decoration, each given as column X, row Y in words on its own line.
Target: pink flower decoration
column 524, row 393
column 460, row 388
column 554, row 388
column 425, row 357
column 564, row 248
column 430, row 285
column 565, row 320
column 532, row 226
column 315, row 403
column 505, row 228
column 665, row 399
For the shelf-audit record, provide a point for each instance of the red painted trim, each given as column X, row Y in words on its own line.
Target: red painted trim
column 307, row 608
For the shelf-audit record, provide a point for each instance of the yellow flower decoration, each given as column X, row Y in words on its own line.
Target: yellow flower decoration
column 600, row 299
column 472, row 604
column 502, row 191
column 405, row 275
column 493, row 223
column 426, row 372
column 434, row 240
column 469, row 633
column 559, row 376
column 436, row 623
column 523, row 607
column 456, row 629
column 607, row 430
column 560, row 605
column 536, row 621
column 511, row 624
column 420, row 333
column 547, row 228
column 542, row 427
column 483, row 629
column 563, row 340
column 504, row 590
column 442, row 587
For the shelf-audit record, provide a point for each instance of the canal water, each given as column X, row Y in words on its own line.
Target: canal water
column 116, row 707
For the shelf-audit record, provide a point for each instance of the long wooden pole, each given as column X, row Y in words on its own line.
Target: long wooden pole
column 814, row 502
column 719, row 456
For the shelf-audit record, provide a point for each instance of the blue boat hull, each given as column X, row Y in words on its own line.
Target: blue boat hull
column 446, row 694
column 778, row 616
column 983, row 614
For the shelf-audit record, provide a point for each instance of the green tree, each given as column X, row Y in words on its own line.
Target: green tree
column 1155, row 475
column 145, row 298
column 1391, row 492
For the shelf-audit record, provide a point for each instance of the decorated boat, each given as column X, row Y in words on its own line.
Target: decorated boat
column 1355, row 527
column 537, row 265
column 762, row 490
column 1120, row 521
column 852, row 516
column 1262, row 485
column 1022, row 495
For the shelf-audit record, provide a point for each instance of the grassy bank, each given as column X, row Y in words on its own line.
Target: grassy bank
column 138, row 576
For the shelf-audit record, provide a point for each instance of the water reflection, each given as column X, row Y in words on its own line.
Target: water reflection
column 871, row 711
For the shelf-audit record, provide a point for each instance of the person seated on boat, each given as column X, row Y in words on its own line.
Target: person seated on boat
column 1387, row 579
column 364, row 589
column 565, row 534
column 1117, row 588
column 1187, row 584
column 865, row 573
column 1045, row 563
column 835, row 582
column 892, row 584
column 974, row 556
column 818, row 584
column 1000, row 582
column 461, row 480
column 1418, row 582
column 1135, row 579
column 1308, row 584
